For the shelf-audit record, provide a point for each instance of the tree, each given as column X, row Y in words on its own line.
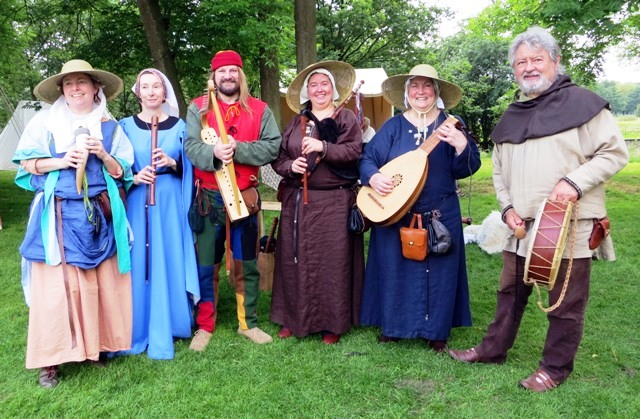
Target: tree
column 633, row 100
column 155, row 30
column 14, row 66
column 609, row 90
column 478, row 66
column 584, row 30
column 376, row 33
column 305, row 21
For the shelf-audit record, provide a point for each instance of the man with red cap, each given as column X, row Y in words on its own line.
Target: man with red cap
column 254, row 140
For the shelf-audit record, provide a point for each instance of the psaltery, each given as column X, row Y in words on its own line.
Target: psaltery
column 226, row 176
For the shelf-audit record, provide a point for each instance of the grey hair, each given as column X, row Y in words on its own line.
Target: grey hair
column 436, row 89
column 537, row 37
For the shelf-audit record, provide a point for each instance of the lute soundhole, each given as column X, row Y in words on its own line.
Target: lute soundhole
column 397, row 179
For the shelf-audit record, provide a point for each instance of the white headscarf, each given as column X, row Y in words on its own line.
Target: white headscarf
column 62, row 122
column 439, row 102
column 170, row 105
column 304, row 95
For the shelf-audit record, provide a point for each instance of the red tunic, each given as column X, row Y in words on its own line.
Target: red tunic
column 243, row 127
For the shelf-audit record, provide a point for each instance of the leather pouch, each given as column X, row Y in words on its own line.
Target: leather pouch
column 251, row 198
column 601, row 229
column 414, row 239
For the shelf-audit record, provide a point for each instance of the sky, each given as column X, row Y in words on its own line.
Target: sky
column 614, row 68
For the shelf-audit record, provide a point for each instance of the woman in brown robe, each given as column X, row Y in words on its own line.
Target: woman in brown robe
column 319, row 263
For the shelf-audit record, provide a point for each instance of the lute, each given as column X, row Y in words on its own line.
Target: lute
column 409, row 174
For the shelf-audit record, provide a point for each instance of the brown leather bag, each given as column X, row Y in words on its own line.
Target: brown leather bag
column 414, row 240
column 251, row 198
column 105, row 202
column 601, row 229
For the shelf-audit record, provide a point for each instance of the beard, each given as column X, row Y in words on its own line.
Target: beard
column 534, row 88
column 229, row 87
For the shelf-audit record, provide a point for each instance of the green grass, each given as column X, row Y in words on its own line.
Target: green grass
column 358, row 377
column 629, row 126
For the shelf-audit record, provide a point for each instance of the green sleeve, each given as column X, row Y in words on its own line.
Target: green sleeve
column 199, row 153
column 265, row 150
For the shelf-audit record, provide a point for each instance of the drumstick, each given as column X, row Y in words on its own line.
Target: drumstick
column 520, row 232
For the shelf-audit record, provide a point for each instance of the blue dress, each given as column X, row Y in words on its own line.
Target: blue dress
column 407, row 298
column 89, row 238
column 162, row 305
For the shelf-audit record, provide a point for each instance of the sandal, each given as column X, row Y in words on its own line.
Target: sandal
column 539, row 382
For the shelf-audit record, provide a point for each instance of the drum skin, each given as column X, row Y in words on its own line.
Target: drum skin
column 547, row 246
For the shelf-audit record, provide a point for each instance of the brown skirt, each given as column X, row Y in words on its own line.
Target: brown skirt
column 101, row 310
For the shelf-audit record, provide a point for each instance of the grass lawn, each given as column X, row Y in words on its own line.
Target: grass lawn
column 629, row 126
column 358, row 377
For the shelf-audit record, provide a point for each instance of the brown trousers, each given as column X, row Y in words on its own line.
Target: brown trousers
column 566, row 323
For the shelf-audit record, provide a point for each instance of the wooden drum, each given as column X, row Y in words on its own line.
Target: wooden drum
column 548, row 243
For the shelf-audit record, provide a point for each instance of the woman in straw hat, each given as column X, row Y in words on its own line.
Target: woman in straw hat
column 76, row 247
column 407, row 298
column 319, row 264
column 163, row 273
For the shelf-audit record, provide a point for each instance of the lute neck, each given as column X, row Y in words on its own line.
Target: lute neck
column 433, row 140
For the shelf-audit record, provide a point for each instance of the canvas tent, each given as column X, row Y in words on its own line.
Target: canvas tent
column 13, row 130
column 374, row 106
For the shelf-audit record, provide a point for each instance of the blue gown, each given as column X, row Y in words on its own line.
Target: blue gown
column 87, row 243
column 162, row 305
column 411, row 299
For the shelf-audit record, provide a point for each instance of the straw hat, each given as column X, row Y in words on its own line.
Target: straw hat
column 49, row 91
column 343, row 74
column 393, row 87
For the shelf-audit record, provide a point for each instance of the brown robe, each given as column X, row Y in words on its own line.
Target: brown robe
column 318, row 273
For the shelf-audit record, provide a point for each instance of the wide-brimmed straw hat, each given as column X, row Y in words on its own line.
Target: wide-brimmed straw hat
column 343, row 74
column 393, row 87
column 49, row 91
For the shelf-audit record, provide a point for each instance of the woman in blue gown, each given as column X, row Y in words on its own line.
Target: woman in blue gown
column 76, row 264
column 407, row 298
column 164, row 277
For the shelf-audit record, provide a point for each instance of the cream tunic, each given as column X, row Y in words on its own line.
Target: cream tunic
column 525, row 174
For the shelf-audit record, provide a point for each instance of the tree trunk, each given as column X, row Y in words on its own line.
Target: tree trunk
column 270, row 82
column 305, row 18
column 163, row 60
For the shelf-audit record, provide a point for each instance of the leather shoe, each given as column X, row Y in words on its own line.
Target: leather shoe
column 470, row 356
column 387, row 339
column 48, row 377
column 539, row 382
column 437, row 346
column 285, row 333
column 330, row 338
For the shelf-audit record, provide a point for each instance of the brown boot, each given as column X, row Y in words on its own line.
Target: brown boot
column 48, row 377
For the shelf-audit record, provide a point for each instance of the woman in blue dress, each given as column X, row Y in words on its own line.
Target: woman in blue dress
column 76, row 264
column 408, row 298
column 163, row 271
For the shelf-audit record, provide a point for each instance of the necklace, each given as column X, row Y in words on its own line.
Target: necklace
column 422, row 128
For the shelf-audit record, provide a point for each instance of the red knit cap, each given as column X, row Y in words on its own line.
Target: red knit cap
column 223, row 58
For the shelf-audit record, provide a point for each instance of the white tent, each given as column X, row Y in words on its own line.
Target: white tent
column 13, row 130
